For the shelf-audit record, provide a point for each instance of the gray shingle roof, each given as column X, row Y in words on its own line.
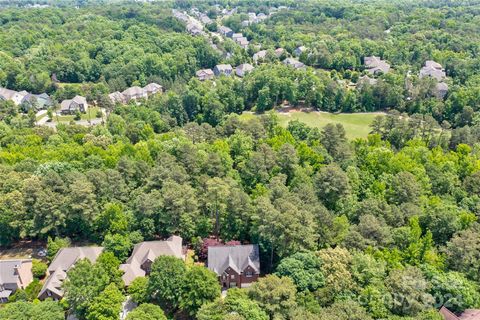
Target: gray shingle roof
column 150, row 250
column 7, row 271
column 235, row 257
column 63, row 261
column 374, row 65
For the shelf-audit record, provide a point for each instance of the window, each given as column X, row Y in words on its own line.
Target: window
column 232, row 276
column 49, row 293
column 249, row 274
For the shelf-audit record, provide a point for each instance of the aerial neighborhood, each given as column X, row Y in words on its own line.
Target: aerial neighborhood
column 239, row 160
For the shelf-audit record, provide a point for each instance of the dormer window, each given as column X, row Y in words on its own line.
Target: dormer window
column 249, row 274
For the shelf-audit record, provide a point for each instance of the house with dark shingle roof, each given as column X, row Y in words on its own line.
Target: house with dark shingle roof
column 70, row 106
column 225, row 31
column 235, row 266
column 134, row 93
column 293, row 63
column 435, row 70
column 14, row 275
column 152, row 88
column 63, row 261
column 139, row 264
column 299, row 50
column 374, row 65
column 243, row 69
column 116, row 97
column 205, row 74
column 223, row 69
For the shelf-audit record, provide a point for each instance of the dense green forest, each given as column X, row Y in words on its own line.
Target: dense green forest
column 385, row 227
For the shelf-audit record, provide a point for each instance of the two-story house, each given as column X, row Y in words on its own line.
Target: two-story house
column 70, row 106
column 14, row 275
column 236, row 266
column 63, row 261
column 139, row 264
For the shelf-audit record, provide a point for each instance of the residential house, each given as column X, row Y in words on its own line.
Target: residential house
column 374, row 65
column 152, row 88
column 35, row 101
column 116, row 97
column 441, row 90
column 134, row 93
column 433, row 64
column 245, row 23
column 194, row 29
column 242, row 42
column 279, row 52
column 261, row 16
column 225, row 31
column 299, row 50
column 20, row 97
column 293, row 63
column 366, row 79
column 228, row 13
column 205, row 74
column 139, row 264
column 235, row 266
column 223, row 69
column 14, row 275
column 43, row 101
column 180, row 15
column 259, row 56
column 434, row 70
column 236, row 36
column 468, row 314
column 63, row 261
column 15, row 96
column 205, row 19
column 70, row 106
column 243, row 69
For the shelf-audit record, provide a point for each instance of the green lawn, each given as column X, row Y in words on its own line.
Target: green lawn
column 357, row 125
column 91, row 114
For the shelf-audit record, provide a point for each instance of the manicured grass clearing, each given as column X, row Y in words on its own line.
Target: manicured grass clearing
column 357, row 125
column 93, row 115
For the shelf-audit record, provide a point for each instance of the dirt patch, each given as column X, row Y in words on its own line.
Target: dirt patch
column 22, row 250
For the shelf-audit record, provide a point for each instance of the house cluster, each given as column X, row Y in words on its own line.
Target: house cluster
column 374, row 65
column 224, row 70
column 241, row 40
column 468, row 314
column 80, row 104
column 235, row 266
column 26, row 99
column 135, row 93
column 255, row 18
column 435, row 70
column 201, row 16
column 194, row 27
column 261, row 55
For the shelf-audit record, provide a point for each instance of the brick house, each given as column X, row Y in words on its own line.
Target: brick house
column 235, row 266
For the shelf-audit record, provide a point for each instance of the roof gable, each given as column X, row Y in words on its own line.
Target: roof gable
column 235, row 257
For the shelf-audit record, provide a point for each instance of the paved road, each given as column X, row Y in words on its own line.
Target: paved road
column 53, row 124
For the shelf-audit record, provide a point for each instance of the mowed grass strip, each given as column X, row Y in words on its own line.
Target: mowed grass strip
column 357, row 125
